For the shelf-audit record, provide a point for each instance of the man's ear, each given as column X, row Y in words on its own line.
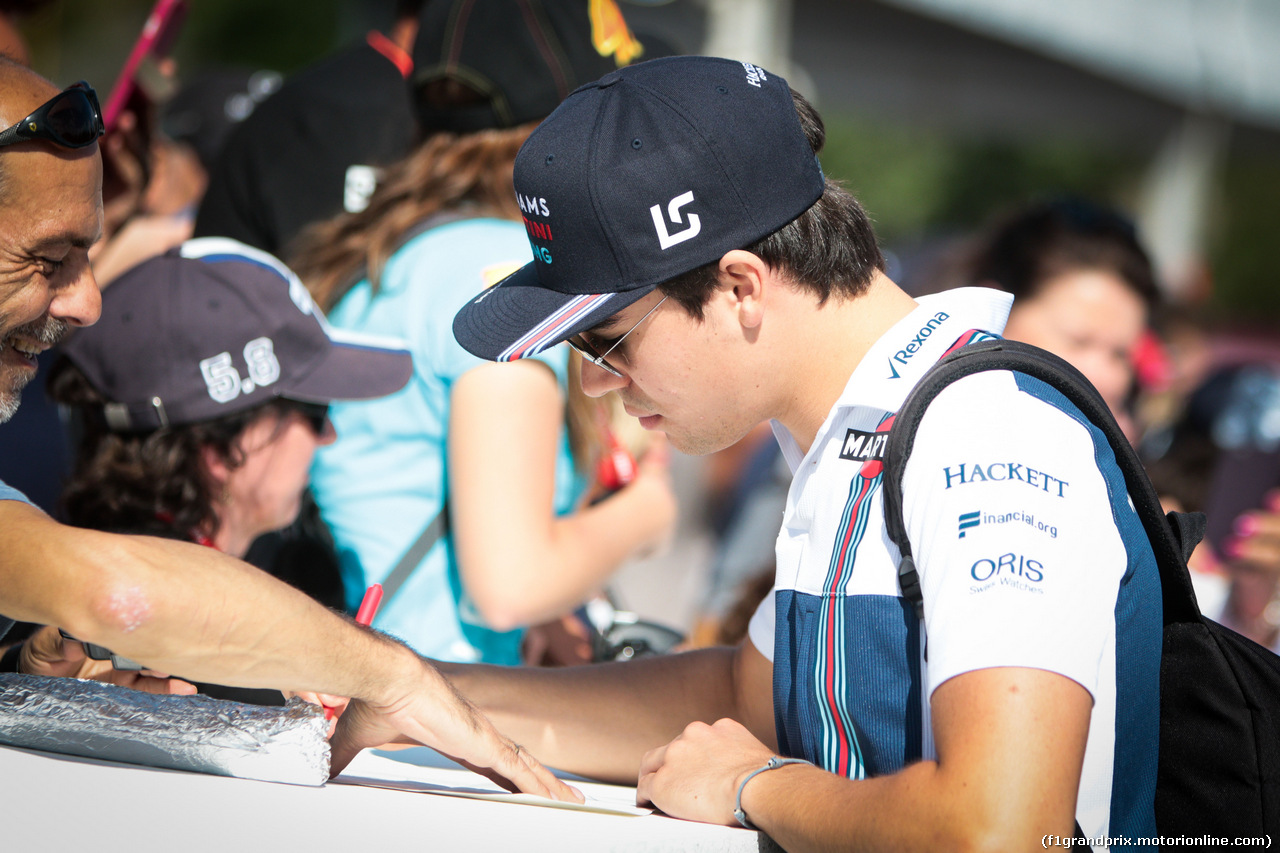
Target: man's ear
column 744, row 279
column 215, row 466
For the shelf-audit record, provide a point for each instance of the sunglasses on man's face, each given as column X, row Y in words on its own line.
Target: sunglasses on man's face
column 590, row 352
column 72, row 118
column 316, row 416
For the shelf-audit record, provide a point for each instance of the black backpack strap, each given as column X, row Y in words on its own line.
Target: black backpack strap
column 1188, row 528
column 1179, row 596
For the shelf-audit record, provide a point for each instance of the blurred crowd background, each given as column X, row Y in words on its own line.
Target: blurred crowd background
column 940, row 111
column 941, row 115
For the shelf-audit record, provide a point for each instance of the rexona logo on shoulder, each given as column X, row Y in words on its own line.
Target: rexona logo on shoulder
column 908, row 352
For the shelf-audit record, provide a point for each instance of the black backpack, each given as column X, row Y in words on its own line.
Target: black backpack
column 1219, row 770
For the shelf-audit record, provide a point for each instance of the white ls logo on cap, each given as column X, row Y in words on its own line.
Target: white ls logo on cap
column 666, row 239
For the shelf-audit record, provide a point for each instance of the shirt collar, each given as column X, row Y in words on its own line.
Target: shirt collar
column 902, row 355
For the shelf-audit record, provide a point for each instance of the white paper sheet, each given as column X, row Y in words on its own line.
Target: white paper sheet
column 405, row 774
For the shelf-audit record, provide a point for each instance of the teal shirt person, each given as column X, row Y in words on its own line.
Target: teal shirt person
column 387, row 476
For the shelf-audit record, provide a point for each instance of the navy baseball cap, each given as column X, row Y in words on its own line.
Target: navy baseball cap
column 649, row 172
column 215, row 327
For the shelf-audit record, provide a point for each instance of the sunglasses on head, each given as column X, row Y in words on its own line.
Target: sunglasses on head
column 72, row 118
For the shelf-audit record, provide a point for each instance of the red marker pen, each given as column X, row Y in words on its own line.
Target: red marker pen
column 369, row 606
column 364, row 616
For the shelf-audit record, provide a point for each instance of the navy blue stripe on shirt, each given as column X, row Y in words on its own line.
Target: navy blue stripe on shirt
column 884, row 700
column 1139, row 630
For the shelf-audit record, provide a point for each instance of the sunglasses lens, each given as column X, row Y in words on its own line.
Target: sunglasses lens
column 71, row 120
column 317, row 418
column 588, row 353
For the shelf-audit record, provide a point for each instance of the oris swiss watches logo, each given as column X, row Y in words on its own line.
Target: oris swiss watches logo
column 665, row 238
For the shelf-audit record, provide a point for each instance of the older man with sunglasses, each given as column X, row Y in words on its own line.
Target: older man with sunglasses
column 219, row 619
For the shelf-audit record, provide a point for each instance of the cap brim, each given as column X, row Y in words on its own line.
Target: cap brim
column 353, row 370
column 518, row 318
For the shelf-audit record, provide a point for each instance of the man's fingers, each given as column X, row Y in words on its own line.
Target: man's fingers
column 171, row 686
column 518, row 771
column 340, row 755
column 644, row 789
column 653, row 759
column 448, row 723
column 357, row 728
column 649, row 766
column 557, row 788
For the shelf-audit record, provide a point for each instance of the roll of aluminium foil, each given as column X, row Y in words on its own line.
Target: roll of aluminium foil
column 197, row 733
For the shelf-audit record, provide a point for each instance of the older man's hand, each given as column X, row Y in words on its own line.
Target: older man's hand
column 431, row 712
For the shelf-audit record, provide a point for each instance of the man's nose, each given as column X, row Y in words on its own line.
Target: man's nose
column 80, row 302
column 328, row 435
column 596, row 381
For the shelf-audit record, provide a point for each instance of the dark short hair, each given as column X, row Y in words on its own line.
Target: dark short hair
column 829, row 249
column 1027, row 247
column 144, row 482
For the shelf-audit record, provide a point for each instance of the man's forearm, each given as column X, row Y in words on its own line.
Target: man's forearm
column 186, row 610
column 600, row 720
column 1011, row 744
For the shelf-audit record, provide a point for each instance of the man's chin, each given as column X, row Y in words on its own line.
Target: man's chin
column 10, row 393
column 8, row 405
column 705, row 443
column 695, row 445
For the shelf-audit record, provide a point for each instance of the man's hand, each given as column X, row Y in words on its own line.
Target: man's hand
column 696, row 776
column 47, row 652
column 434, row 714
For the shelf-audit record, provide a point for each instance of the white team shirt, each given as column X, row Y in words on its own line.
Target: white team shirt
column 1016, row 539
